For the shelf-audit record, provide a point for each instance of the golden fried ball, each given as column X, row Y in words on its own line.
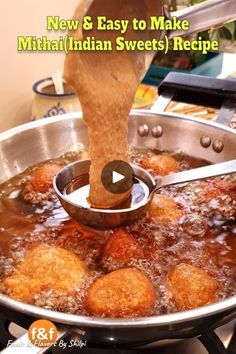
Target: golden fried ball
column 191, row 287
column 217, row 188
column 123, row 293
column 161, row 165
column 121, row 247
column 46, row 268
column 42, row 178
column 163, row 209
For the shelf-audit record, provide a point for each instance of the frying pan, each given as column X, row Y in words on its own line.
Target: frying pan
column 34, row 142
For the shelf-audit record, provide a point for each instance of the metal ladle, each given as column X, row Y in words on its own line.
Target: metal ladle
column 72, row 180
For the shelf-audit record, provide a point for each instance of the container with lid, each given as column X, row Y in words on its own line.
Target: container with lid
column 47, row 103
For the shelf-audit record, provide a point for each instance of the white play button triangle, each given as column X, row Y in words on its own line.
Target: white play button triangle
column 116, row 177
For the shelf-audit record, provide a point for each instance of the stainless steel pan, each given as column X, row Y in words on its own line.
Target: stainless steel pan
column 31, row 143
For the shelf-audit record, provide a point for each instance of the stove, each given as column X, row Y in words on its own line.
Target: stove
column 221, row 341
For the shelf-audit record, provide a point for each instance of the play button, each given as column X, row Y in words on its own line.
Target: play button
column 117, row 177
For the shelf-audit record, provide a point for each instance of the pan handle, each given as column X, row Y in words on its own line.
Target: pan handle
column 198, row 90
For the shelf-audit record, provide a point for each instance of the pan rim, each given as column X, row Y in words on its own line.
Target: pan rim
column 78, row 115
column 89, row 321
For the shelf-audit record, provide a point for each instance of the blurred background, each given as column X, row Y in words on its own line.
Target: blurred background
column 18, row 71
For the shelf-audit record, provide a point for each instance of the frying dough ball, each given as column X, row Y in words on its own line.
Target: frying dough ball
column 191, row 287
column 163, row 209
column 161, row 165
column 120, row 248
column 42, row 178
column 123, row 293
column 46, row 268
column 217, row 188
